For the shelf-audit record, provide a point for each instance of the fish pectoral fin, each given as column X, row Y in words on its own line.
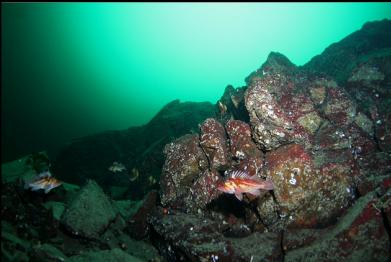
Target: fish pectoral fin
column 35, row 188
column 255, row 192
column 239, row 196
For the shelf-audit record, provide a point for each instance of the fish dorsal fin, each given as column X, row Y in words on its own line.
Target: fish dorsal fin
column 239, row 174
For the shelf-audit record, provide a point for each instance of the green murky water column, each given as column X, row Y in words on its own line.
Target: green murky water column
column 72, row 69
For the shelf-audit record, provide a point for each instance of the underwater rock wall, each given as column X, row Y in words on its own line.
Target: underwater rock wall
column 320, row 132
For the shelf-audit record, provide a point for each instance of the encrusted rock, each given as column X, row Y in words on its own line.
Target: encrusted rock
column 241, row 144
column 89, row 213
column 185, row 161
column 270, row 126
column 203, row 191
column 359, row 236
column 195, row 238
column 339, row 109
column 308, row 196
column 213, row 142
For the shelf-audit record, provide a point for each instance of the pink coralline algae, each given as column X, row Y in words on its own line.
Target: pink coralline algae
column 321, row 134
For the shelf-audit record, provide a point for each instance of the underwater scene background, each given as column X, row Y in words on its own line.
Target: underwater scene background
column 196, row 132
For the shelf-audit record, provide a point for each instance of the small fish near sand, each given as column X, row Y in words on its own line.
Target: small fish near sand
column 239, row 182
column 117, row 167
column 43, row 181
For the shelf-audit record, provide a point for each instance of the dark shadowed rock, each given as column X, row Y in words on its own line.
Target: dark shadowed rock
column 193, row 238
column 137, row 223
column 359, row 236
column 337, row 60
column 231, row 105
column 138, row 148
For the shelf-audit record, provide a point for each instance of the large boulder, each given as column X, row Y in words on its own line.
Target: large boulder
column 89, row 213
column 308, row 195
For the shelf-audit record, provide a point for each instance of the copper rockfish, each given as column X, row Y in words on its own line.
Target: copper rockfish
column 239, row 182
column 43, row 181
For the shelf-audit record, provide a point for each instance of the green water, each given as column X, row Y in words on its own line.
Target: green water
column 70, row 70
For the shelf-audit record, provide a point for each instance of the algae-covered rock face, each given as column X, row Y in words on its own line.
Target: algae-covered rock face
column 321, row 134
column 89, row 213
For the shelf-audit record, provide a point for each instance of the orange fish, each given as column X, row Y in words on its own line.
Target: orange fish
column 239, row 182
column 43, row 181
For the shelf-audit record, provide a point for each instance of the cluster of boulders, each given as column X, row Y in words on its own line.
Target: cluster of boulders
column 322, row 138
column 71, row 223
column 320, row 132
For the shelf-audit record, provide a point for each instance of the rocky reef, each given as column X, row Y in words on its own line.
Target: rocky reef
column 139, row 149
column 320, row 132
column 71, row 223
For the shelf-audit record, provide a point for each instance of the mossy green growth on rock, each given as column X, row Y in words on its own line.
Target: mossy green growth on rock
column 89, row 212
